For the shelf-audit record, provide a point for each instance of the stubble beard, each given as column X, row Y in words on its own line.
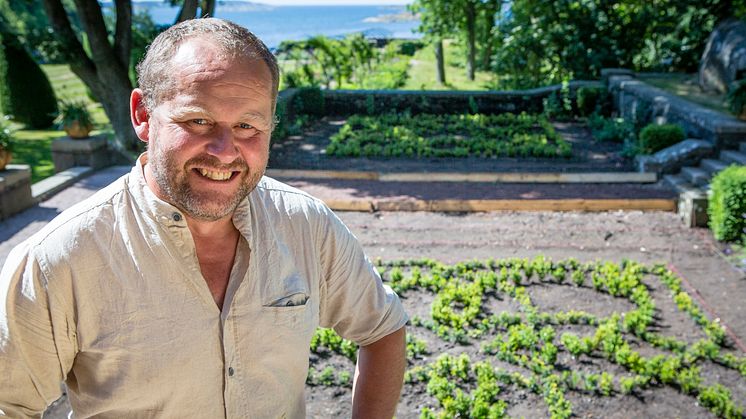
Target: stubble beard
column 206, row 205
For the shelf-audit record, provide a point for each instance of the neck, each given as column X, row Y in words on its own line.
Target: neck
column 212, row 230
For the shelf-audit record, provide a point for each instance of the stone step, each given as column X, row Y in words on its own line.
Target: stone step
column 732, row 156
column 682, row 185
column 712, row 166
column 742, row 147
column 695, row 175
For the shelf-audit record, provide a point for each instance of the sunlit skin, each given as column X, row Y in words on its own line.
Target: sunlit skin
column 208, row 147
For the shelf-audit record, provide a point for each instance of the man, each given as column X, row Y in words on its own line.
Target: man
column 192, row 286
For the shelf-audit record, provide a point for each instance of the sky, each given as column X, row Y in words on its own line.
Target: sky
column 332, row 2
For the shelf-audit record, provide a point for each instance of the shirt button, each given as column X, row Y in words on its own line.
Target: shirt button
column 176, row 217
column 230, row 371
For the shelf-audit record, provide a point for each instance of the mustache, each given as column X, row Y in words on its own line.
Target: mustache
column 212, row 162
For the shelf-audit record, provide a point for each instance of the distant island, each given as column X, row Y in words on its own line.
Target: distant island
column 391, row 18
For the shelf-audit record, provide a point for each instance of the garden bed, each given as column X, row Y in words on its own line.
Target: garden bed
column 492, row 338
column 309, row 151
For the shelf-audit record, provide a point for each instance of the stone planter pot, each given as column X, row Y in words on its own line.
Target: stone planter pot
column 5, row 157
column 76, row 130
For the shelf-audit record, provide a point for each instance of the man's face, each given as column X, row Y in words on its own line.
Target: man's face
column 209, row 143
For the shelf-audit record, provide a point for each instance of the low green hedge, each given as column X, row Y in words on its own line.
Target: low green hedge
column 657, row 137
column 727, row 205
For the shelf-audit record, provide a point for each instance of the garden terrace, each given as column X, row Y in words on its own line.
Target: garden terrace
column 483, row 342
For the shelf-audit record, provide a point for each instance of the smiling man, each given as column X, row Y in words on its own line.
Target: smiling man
column 191, row 287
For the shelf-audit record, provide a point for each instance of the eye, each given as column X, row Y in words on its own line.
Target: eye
column 244, row 125
column 199, row 121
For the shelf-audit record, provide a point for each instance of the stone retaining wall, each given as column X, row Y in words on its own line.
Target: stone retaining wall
column 348, row 102
column 15, row 189
column 636, row 100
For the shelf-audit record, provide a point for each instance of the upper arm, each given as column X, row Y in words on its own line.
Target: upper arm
column 36, row 337
column 356, row 303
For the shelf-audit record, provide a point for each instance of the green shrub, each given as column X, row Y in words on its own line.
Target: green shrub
column 727, row 205
column 615, row 130
column 309, row 101
column 657, row 137
column 590, row 99
column 6, row 139
column 27, row 94
column 737, row 98
column 279, row 131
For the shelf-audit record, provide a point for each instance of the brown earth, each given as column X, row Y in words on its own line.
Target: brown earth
column 307, row 151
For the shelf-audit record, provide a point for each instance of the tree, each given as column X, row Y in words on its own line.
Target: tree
column 189, row 9
column 25, row 92
column 435, row 25
column 102, row 65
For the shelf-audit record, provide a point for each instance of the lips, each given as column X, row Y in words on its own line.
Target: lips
column 218, row 175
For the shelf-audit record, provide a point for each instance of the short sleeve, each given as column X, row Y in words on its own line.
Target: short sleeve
column 356, row 303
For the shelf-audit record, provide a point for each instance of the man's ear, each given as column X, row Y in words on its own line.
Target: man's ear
column 139, row 115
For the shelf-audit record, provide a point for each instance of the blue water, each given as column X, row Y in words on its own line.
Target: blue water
column 273, row 24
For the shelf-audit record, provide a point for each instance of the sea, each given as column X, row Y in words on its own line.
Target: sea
column 274, row 24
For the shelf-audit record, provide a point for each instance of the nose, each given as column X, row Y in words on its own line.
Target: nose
column 223, row 146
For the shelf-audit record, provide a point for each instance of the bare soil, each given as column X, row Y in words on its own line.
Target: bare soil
column 307, row 151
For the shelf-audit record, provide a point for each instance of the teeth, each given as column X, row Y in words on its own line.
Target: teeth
column 215, row 175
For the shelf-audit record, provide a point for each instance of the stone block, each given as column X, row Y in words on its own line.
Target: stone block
column 724, row 58
column 607, row 73
column 92, row 152
column 15, row 189
column 685, row 153
column 692, row 209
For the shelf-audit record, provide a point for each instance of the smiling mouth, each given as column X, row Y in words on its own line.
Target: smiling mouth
column 218, row 175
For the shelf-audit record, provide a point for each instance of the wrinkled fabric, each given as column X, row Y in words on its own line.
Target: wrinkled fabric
column 109, row 298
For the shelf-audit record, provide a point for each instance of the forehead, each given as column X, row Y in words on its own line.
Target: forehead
column 201, row 59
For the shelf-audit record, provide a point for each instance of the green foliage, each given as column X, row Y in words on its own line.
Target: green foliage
column 26, row 94
column 718, row 399
column 616, row 130
column 591, row 100
column 6, row 138
column 309, row 101
column 426, row 135
column 74, row 111
column 352, row 62
column 727, row 205
column 329, row 339
column 558, row 105
column 657, row 137
column 737, row 98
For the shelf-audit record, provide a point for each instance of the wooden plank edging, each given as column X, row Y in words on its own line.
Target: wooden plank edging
column 484, row 205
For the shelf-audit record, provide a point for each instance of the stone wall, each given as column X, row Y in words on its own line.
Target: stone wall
column 637, row 101
column 348, row 102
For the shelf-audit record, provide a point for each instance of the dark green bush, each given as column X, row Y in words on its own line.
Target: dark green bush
column 657, row 137
column 408, row 48
column 727, row 205
column 590, row 99
column 279, row 132
column 737, row 98
column 615, row 130
column 27, row 94
column 309, row 101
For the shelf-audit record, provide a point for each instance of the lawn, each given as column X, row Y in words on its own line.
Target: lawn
column 33, row 146
column 685, row 86
column 421, row 75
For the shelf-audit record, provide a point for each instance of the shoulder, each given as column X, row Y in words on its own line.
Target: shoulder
column 287, row 199
column 72, row 227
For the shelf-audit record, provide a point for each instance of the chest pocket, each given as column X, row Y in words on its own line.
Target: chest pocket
column 288, row 303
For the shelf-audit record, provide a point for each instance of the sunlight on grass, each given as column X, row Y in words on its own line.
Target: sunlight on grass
column 422, row 72
column 685, row 86
column 33, row 147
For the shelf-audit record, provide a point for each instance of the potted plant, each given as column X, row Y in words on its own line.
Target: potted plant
column 75, row 119
column 6, row 146
column 737, row 99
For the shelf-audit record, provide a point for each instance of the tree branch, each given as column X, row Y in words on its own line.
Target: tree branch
column 92, row 19
column 72, row 48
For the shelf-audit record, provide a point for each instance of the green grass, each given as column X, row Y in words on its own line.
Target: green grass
column 422, row 72
column 33, row 147
column 685, row 86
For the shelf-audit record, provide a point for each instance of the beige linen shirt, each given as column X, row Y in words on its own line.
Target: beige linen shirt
column 109, row 298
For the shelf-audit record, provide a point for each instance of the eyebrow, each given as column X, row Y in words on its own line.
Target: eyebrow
column 186, row 111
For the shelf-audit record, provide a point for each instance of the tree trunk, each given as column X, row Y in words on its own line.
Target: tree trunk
column 440, row 62
column 188, row 11
column 208, row 8
column 470, row 35
column 106, row 70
